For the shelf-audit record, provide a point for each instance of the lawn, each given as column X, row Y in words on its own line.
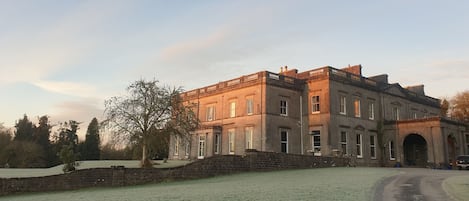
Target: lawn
column 38, row 172
column 308, row 184
column 458, row 187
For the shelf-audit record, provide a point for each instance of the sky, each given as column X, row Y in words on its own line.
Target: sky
column 65, row 58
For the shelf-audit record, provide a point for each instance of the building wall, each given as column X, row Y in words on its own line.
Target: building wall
column 370, row 137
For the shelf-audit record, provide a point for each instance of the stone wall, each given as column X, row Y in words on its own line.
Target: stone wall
column 121, row 176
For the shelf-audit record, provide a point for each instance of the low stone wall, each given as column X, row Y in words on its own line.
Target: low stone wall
column 213, row 166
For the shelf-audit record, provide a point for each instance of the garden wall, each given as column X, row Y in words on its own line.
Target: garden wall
column 121, row 176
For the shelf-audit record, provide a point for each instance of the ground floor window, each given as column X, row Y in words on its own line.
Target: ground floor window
column 392, row 154
column 201, row 152
column 176, row 145
column 248, row 135
column 359, row 146
column 217, row 143
column 373, row 146
column 343, row 142
column 284, row 140
column 231, row 141
column 316, row 142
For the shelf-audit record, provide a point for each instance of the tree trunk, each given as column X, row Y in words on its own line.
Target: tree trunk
column 145, row 163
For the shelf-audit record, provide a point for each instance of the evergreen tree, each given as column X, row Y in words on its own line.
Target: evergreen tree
column 24, row 129
column 91, row 150
column 41, row 136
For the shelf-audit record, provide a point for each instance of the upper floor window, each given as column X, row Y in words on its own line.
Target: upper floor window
column 249, row 106
column 343, row 105
column 232, row 109
column 395, row 113
column 357, row 107
column 315, row 104
column 371, row 110
column 211, row 113
column 283, row 107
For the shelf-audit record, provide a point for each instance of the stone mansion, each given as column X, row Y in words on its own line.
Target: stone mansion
column 322, row 112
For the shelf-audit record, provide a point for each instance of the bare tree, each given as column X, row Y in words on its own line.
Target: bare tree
column 147, row 110
column 460, row 106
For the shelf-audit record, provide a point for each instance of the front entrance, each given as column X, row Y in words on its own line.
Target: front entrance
column 415, row 150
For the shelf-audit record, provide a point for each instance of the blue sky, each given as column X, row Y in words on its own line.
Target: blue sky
column 64, row 58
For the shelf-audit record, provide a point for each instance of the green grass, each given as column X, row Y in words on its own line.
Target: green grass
column 309, row 184
column 38, row 172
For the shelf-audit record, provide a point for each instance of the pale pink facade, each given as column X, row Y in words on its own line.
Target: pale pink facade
column 324, row 111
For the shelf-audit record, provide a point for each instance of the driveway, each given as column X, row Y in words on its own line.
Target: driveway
column 415, row 184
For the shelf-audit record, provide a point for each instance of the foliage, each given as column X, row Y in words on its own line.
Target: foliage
column 24, row 129
column 444, row 108
column 66, row 144
column 149, row 110
column 90, row 148
column 5, row 140
column 41, row 136
column 23, row 154
column 68, row 156
column 460, row 106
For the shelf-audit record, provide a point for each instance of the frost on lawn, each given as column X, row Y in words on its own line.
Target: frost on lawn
column 457, row 187
column 39, row 172
column 309, row 184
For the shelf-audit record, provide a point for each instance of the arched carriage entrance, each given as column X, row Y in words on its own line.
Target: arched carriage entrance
column 415, row 150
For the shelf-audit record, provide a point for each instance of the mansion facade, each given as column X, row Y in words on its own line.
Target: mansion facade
column 322, row 112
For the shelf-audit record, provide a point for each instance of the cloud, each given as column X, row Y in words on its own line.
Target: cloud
column 68, row 88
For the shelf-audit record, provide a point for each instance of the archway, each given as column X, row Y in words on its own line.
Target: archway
column 415, row 150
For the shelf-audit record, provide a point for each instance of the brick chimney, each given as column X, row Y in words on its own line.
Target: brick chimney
column 289, row 73
column 357, row 69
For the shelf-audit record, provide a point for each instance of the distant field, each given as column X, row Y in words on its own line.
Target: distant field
column 38, row 172
column 309, row 184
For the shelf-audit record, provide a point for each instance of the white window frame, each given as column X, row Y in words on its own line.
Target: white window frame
column 232, row 109
column 283, row 107
column 248, row 132
column 343, row 142
column 343, row 105
column 176, row 145
column 357, row 107
column 201, row 147
column 249, row 106
column 316, row 137
column 371, row 110
column 284, row 141
column 217, row 143
column 373, row 146
column 315, row 105
column 187, row 148
column 231, row 141
column 359, row 142
column 392, row 153
column 211, row 113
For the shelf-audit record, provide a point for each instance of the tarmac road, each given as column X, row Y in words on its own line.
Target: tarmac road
column 415, row 184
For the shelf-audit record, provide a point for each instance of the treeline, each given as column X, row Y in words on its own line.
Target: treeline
column 32, row 145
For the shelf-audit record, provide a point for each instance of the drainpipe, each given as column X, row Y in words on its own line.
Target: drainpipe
column 301, row 124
